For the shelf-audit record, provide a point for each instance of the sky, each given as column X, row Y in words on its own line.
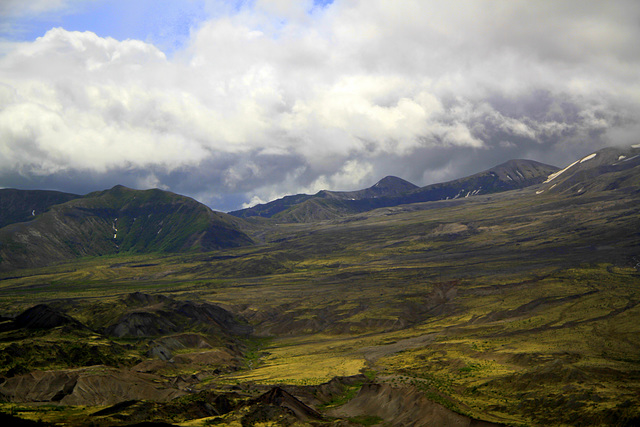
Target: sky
column 240, row 102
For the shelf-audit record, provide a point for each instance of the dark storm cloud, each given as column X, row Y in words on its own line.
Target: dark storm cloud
column 220, row 182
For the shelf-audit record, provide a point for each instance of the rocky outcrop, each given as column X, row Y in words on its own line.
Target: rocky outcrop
column 403, row 407
column 138, row 299
column 156, row 315
column 278, row 405
column 194, row 406
column 43, row 316
column 96, row 385
column 162, row 348
column 279, row 397
column 10, row 420
column 142, row 324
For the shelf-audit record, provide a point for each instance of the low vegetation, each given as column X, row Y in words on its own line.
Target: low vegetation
column 515, row 308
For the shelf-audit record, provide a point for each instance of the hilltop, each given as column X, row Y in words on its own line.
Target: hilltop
column 116, row 221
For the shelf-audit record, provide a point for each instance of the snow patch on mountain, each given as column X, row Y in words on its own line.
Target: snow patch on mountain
column 589, row 157
column 560, row 172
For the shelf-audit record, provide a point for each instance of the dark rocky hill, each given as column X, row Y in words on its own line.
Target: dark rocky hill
column 149, row 317
column 43, row 316
column 392, row 191
column 114, row 221
column 388, row 186
column 267, row 210
column 511, row 175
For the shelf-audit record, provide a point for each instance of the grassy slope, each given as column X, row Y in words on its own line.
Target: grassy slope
column 23, row 205
column 510, row 307
column 115, row 221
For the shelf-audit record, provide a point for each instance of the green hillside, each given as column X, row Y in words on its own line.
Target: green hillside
column 116, row 221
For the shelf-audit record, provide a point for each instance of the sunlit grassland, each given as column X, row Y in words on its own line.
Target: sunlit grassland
column 304, row 361
column 48, row 413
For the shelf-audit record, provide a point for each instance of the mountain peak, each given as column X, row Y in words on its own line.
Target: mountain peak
column 394, row 183
column 387, row 187
column 520, row 170
column 119, row 187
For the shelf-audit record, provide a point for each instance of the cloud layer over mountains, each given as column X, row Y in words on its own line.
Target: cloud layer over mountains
column 267, row 98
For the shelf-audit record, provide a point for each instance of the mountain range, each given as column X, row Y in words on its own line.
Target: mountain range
column 393, row 191
column 41, row 227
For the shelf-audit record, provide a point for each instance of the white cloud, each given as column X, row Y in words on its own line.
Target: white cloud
column 295, row 10
column 255, row 200
column 330, row 94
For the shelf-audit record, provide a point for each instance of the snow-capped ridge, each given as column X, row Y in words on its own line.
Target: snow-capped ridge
column 589, row 157
column 560, row 172
column 608, row 169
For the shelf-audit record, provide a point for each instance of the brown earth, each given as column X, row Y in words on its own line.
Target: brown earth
column 403, row 406
column 209, row 357
column 92, row 386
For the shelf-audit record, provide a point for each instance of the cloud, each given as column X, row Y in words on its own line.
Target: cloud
column 33, row 7
column 276, row 97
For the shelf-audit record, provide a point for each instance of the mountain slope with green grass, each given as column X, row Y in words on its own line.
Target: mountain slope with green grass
column 116, row 221
column 24, row 205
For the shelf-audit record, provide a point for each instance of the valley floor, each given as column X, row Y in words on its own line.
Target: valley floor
column 464, row 315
